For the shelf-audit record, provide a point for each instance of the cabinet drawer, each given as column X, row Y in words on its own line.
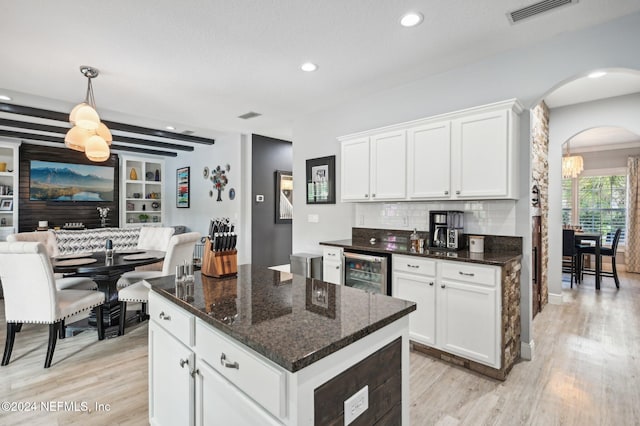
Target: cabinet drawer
column 175, row 320
column 414, row 264
column 476, row 274
column 261, row 380
column 332, row 253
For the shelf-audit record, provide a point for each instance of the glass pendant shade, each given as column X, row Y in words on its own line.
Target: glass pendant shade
column 74, row 112
column 76, row 138
column 87, row 118
column 572, row 166
column 104, row 133
column 96, row 149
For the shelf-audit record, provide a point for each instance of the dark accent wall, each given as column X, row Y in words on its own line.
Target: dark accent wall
column 270, row 242
column 60, row 212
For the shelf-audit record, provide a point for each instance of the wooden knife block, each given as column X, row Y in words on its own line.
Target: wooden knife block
column 219, row 263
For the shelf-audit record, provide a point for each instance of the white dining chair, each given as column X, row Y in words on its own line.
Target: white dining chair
column 31, row 295
column 154, row 238
column 180, row 250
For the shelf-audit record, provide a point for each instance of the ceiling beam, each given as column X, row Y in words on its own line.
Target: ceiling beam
column 117, row 138
column 57, row 139
column 112, row 125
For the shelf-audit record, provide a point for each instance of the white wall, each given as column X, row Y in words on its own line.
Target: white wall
column 526, row 74
column 226, row 150
column 564, row 123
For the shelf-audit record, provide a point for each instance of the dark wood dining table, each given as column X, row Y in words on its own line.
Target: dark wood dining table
column 591, row 236
column 106, row 273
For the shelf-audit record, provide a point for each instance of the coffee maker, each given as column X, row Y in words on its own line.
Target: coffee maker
column 446, row 229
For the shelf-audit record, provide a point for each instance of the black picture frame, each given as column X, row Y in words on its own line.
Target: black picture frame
column 321, row 180
column 284, row 196
column 183, row 187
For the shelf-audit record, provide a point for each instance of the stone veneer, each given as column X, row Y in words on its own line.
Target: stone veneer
column 540, row 177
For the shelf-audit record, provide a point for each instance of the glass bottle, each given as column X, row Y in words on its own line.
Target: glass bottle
column 415, row 241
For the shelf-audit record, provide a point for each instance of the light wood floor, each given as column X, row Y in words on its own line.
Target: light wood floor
column 586, row 371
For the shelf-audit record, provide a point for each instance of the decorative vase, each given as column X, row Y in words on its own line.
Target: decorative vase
column 157, row 175
column 133, row 175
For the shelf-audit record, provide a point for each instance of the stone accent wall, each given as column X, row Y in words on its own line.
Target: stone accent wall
column 540, row 177
column 510, row 314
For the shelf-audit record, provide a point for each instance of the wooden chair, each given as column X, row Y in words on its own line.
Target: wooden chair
column 31, row 295
column 570, row 250
column 180, row 249
column 604, row 251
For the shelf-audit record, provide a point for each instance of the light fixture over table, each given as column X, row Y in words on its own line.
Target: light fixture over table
column 88, row 134
column 572, row 165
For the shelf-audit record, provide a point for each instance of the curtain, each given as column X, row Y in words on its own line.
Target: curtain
column 632, row 257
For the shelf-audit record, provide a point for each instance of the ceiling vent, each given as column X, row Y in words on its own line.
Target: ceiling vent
column 537, row 9
column 249, row 115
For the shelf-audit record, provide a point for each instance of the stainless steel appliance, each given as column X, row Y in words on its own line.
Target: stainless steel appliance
column 367, row 271
column 306, row 264
column 446, row 229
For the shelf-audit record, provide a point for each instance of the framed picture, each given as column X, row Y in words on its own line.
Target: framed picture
column 6, row 204
column 321, row 180
column 284, row 196
column 182, row 186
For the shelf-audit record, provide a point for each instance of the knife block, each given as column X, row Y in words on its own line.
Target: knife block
column 219, row 264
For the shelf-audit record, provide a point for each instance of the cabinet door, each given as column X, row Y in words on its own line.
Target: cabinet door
column 429, row 161
column 355, row 170
column 481, row 156
column 469, row 317
column 332, row 272
column 388, row 166
column 421, row 290
column 220, row 402
column 171, row 386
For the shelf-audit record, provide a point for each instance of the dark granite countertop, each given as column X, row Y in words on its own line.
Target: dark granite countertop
column 499, row 258
column 292, row 320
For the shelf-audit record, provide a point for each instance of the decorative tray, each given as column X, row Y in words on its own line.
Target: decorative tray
column 75, row 262
column 73, row 256
column 142, row 256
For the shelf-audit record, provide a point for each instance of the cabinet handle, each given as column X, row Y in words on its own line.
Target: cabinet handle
column 331, row 254
column 446, row 192
column 195, row 372
column 373, row 195
column 223, row 361
column 457, row 192
column 338, row 267
column 467, row 274
column 165, row 317
column 431, row 283
column 366, row 195
column 413, row 266
column 183, row 362
column 442, row 286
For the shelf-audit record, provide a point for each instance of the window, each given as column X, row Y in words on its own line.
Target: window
column 567, row 201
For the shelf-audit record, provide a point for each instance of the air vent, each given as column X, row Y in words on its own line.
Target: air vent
column 537, row 9
column 249, row 115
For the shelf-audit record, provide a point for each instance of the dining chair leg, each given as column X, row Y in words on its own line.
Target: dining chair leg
column 62, row 333
column 99, row 322
column 12, row 328
column 615, row 271
column 18, row 327
column 123, row 317
column 53, row 337
column 573, row 270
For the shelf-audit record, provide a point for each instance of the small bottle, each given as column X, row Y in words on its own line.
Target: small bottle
column 108, row 250
column 415, row 241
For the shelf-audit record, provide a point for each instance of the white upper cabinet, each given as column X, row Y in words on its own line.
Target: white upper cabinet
column 428, row 161
column 469, row 154
column 355, row 170
column 388, row 164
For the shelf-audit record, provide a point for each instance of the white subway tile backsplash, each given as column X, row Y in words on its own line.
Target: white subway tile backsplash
column 495, row 217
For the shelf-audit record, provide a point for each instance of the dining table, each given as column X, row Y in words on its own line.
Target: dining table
column 106, row 272
column 597, row 238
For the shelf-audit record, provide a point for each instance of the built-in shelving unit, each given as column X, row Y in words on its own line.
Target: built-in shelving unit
column 8, row 186
column 143, row 191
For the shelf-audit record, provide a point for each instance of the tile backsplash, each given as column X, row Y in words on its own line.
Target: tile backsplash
column 495, row 217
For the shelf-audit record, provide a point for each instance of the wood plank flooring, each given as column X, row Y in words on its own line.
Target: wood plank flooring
column 586, row 371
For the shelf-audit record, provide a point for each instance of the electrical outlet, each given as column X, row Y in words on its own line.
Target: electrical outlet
column 259, row 198
column 313, row 218
column 357, row 404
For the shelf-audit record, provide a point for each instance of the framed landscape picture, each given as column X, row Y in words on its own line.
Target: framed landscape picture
column 182, row 185
column 321, row 180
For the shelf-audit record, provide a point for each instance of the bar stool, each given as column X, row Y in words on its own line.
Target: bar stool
column 604, row 251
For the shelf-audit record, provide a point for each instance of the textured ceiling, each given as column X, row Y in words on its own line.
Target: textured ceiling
column 199, row 64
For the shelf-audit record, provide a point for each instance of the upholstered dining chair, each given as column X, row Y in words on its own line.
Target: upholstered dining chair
column 604, row 251
column 154, row 238
column 134, row 289
column 31, row 295
column 48, row 239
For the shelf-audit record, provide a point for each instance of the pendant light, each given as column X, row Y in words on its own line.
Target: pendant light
column 89, row 134
column 572, row 165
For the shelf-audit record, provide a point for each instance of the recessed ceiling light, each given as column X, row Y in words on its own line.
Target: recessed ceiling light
column 5, row 98
column 308, row 67
column 170, row 128
column 597, row 74
column 411, row 19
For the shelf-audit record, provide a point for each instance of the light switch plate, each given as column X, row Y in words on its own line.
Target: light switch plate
column 259, row 198
column 357, row 404
column 313, row 218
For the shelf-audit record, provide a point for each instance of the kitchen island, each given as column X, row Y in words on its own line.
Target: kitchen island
column 268, row 347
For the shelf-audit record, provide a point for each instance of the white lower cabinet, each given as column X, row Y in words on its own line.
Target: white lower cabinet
column 458, row 306
column 332, row 271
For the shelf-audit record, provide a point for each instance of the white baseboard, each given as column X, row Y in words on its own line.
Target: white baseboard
column 555, row 299
column 526, row 350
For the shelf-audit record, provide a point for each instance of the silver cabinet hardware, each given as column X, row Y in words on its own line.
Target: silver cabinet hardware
column 373, row 195
column 338, row 267
column 223, row 361
column 366, row 195
column 413, row 266
column 331, row 254
column 165, row 317
column 442, row 286
column 183, row 362
column 195, row 372
column 467, row 274
column 446, row 192
column 457, row 192
column 431, row 283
